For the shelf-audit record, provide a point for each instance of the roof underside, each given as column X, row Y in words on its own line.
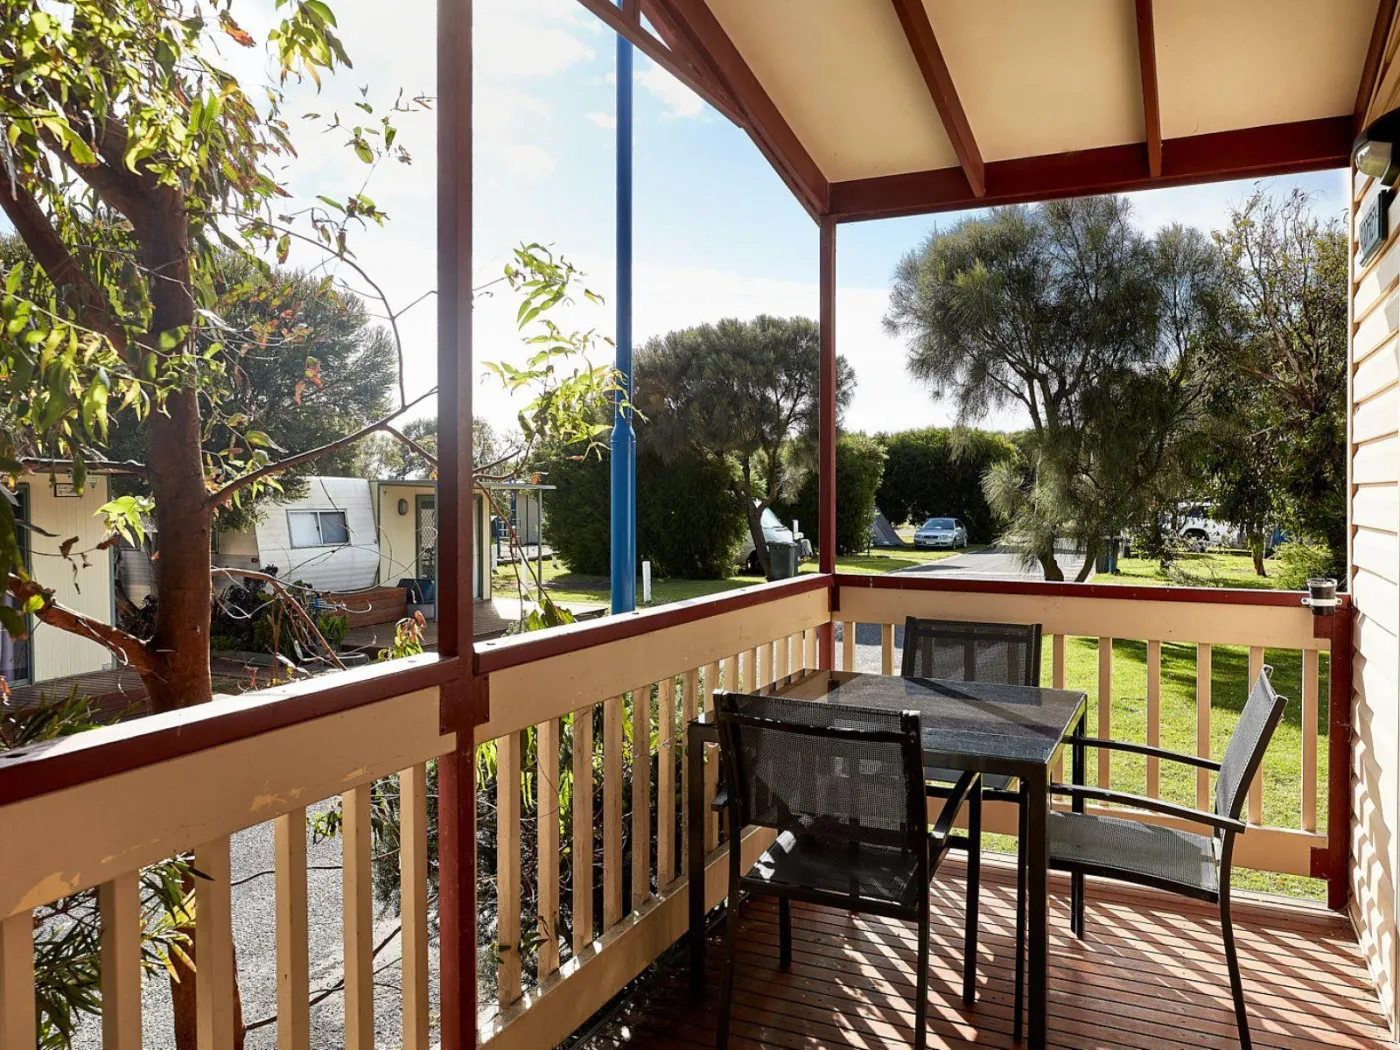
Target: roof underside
column 883, row 107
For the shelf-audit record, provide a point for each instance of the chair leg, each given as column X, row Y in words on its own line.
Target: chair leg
column 726, row 980
column 1232, row 961
column 1023, row 809
column 921, row 979
column 784, row 934
column 1076, row 918
column 974, row 894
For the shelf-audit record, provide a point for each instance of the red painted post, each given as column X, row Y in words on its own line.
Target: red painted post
column 826, row 451
column 1339, row 759
column 463, row 700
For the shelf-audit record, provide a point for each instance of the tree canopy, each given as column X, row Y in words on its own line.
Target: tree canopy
column 743, row 390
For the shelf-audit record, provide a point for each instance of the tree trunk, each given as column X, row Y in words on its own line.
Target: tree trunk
column 1050, row 566
column 1256, row 551
column 1091, row 555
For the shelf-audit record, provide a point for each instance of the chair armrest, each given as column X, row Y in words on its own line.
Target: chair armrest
column 1156, row 805
column 1144, row 749
column 966, row 785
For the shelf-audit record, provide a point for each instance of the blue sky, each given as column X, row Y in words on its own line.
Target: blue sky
column 716, row 232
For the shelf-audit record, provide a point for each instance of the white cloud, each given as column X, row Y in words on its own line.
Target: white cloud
column 679, row 100
column 603, row 120
column 524, row 160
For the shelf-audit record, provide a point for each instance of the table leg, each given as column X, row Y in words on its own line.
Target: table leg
column 695, row 871
column 1076, row 880
column 1038, row 904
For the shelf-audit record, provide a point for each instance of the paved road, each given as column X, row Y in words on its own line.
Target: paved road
column 995, row 563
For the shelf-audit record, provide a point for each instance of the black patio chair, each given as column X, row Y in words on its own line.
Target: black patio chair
column 1182, row 862
column 968, row 651
column 844, row 789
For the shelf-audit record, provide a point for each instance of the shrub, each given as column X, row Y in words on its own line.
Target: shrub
column 860, row 464
column 687, row 521
column 1299, row 560
column 937, row 471
column 333, row 628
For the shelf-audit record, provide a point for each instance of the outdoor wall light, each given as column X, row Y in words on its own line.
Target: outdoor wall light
column 1374, row 153
column 403, row 508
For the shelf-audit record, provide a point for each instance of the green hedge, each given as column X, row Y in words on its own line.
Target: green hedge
column 933, row 472
column 687, row 522
column 860, row 464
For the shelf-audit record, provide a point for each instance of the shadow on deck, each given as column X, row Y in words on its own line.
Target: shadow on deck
column 1149, row 976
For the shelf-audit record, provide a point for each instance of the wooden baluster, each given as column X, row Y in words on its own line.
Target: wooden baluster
column 765, row 664
column 413, row 897
column 358, row 912
column 690, row 698
column 641, row 795
column 848, row 645
column 887, row 648
column 119, row 903
column 751, row 682
column 17, row 1025
column 1309, row 716
column 781, row 659
column 1203, row 661
column 1105, row 701
column 508, row 758
column 1256, row 787
column 666, row 784
column 729, row 673
column 547, row 839
column 213, row 946
column 1154, row 717
column 583, row 829
column 1057, row 681
column 612, row 812
column 293, row 951
column 811, row 660
column 712, row 759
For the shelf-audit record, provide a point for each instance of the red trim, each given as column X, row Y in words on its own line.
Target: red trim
column 1277, row 149
column 1147, row 64
column 913, row 16
column 85, row 757
column 1041, row 589
column 694, row 20
column 1380, row 32
column 1333, row 863
column 499, row 654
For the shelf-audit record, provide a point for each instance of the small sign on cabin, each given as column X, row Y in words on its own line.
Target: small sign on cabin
column 65, row 490
column 1374, row 228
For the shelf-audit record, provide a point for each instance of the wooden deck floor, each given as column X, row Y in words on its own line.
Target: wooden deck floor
column 1149, row 976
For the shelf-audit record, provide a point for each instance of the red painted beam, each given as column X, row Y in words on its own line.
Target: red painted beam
column 826, row 441
column 1147, row 64
column 1380, row 33
column 769, row 129
column 1277, row 149
column 913, row 16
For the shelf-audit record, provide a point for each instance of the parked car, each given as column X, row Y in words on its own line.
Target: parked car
column 941, row 532
column 1199, row 530
column 774, row 531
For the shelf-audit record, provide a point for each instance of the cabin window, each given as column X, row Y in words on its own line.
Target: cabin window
column 318, row 528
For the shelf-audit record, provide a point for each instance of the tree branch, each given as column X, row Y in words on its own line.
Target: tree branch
column 223, row 495
column 127, row 647
column 287, row 599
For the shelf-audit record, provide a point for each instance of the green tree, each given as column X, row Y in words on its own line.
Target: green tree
column 939, row 471
column 1068, row 312
column 860, row 465
column 740, row 390
column 1285, row 373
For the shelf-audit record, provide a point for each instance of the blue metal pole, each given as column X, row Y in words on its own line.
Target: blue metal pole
column 624, row 439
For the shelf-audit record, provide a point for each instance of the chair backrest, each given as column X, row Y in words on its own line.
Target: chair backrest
column 964, row 651
column 1245, row 751
column 843, row 775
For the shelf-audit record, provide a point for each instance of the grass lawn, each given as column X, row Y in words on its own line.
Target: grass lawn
column 1210, row 569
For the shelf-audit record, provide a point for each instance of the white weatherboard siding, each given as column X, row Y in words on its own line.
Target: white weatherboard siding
column 343, row 567
column 89, row 591
column 398, row 550
column 1374, row 515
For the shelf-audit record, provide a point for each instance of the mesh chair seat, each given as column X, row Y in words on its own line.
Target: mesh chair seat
column 941, row 780
column 1134, row 851
column 853, row 871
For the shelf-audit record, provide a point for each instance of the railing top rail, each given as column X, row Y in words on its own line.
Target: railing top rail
column 512, row 651
column 85, row 757
column 1120, row 592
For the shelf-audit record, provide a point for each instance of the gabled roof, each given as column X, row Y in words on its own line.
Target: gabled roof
column 881, row 107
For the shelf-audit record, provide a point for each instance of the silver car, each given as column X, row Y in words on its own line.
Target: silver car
column 941, row 532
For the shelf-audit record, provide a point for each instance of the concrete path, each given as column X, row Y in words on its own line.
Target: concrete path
column 995, row 563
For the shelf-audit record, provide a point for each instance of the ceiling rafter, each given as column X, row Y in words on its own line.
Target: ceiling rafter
column 693, row 21
column 1151, row 106
column 627, row 23
column 923, row 42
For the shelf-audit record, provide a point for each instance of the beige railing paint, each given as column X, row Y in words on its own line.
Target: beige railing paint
column 508, row 867
column 17, row 1029
column 213, row 945
column 581, row 863
column 1203, row 672
column 1154, row 717
column 641, row 795
column 119, row 904
column 413, row 896
column 293, row 951
column 547, row 838
column 357, row 909
column 1105, row 705
column 666, row 784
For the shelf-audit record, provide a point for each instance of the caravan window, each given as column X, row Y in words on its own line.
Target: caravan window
column 318, row 528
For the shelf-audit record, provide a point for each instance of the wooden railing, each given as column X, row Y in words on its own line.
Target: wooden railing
column 578, row 744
